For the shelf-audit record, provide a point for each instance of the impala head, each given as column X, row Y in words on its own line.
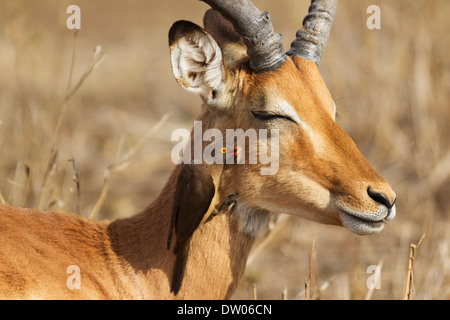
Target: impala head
column 246, row 80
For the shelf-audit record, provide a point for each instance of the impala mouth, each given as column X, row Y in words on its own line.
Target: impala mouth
column 361, row 225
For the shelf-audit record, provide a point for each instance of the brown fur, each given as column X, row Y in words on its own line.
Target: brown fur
column 122, row 259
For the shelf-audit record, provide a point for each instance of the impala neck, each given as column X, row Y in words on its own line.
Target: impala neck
column 217, row 257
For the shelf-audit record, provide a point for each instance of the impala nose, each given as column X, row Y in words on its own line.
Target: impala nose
column 381, row 198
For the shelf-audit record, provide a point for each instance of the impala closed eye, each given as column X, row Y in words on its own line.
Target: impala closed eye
column 266, row 116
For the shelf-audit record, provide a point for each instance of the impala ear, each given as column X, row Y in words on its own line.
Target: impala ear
column 196, row 60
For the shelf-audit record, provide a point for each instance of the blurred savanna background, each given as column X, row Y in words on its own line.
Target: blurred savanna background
column 86, row 130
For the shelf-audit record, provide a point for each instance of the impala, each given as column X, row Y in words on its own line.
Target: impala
column 194, row 239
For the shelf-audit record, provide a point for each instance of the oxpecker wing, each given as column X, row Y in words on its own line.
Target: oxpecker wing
column 193, row 201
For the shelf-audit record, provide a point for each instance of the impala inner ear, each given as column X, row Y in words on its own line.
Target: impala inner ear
column 196, row 59
column 230, row 42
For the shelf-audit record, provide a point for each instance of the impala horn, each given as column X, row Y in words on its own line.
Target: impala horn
column 311, row 39
column 264, row 45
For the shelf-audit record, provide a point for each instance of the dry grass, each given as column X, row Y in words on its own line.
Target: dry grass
column 391, row 86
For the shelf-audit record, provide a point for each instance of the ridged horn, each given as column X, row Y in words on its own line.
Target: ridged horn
column 264, row 45
column 311, row 39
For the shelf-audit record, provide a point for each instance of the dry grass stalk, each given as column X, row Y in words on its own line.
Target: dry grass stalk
column 311, row 280
column 76, row 179
column 307, row 297
column 274, row 229
column 72, row 63
column 255, row 296
column 101, row 199
column 122, row 163
column 284, row 294
column 50, row 164
column 409, row 291
column 15, row 185
column 95, row 60
column 27, row 184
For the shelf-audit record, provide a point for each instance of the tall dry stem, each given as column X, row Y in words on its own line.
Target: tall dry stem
column 409, row 291
column 122, row 163
column 311, row 280
column 95, row 60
